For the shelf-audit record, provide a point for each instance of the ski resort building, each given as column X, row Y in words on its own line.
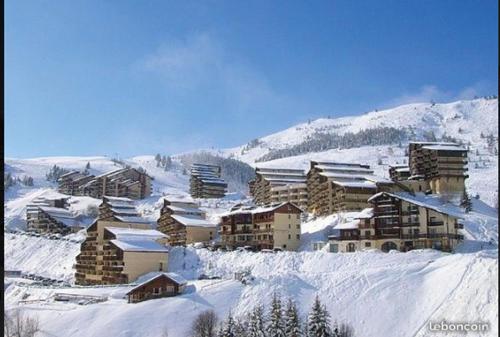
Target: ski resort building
column 71, row 182
column 442, row 165
column 275, row 185
column 127, row 182
column 400, row 174
column 335, row 187
column 48, row 214
column 403, row 222
column 262, row 227
column 184, row 222
column 116, row 252
column 156, row 285
column 119, row 209
column 206, row 181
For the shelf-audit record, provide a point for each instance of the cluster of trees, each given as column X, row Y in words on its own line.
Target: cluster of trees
column 236, row 173
column 250, row 145
column 282, row 320
column 320, row 141
column 9, row 180
column 55, row 173
column 18, row 324
column 163, row 161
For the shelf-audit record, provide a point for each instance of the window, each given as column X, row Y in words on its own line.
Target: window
column 420, row 188
column 368, row 244
column 416, row 231
column 289, row 216
column 157, row 291
column 298, row 236
column 367, row 233
column 289, row 237
column 289, row 226
column 161, row 266
column 298, row 216
column 334, row 248
column 298, row 226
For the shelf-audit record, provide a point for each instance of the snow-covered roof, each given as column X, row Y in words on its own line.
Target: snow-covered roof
column 432, row 201
column 135, row 233
column 193, row 221
column 403, row 169
column 180, row 209
column 136, row 245
column 61, row 215
column 146, row 278
column 110, row 198
column 432, row 143
column 355, row 183
column 348, row 225
column 444, row 148
column 287, row 174
column 260, row 209
column 344, row 168
column 132, row 219
column 366, row 213
column 286, row 180
column 125, row 211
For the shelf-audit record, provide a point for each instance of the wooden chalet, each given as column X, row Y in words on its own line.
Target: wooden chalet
column 156, row 285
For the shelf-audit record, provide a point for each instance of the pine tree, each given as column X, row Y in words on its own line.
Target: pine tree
column 276, row 325
column 163, row 161
column 319, row 321
column 465, row 202
column 158, row 159
column 256, row 326
column 87, row 167
column 229, row 327
column 292, row 323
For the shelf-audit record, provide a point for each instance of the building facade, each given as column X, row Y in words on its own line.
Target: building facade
column 273, row 185
column 403, row 222
column 442, row 165
column 270, row 227
column 206, row 182
column 185, row 223
column 127, row 182
column 339, row 187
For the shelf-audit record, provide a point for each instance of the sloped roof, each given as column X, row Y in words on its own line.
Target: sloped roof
column 146, row 278
column 132, row 219
column 193, row 221
column 135, row 233
column 139, row 245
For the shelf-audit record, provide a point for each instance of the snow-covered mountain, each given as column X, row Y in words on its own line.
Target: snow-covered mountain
column 464, row 120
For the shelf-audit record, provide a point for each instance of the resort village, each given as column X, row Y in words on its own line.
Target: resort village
column 408, row 210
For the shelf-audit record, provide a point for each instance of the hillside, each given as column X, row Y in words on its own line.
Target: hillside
column 463, row 120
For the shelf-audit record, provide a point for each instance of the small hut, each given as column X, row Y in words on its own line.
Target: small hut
column 156, row 285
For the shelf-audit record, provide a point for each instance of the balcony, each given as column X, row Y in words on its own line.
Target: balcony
column 436, row 223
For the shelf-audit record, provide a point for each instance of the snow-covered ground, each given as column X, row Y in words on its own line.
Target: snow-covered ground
column 392, row 294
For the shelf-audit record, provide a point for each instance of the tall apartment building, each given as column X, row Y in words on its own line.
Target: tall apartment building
column 71, row 182
column 117, row 252
column 334, row 187
column 401, row 221
column 185, row 223
column 401, row 175
column 126, row 182
column 120, row 246
column 262, row 227
column 442, row 165
column 273, row 185
column 206, row 181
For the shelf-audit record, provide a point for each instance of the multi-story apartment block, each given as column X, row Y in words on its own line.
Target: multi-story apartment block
column 442, row 165
column 185, row 223
column 273, row 185
column 335, row 187
column 206, row 181
column 117, row 252
column 262, row 227
column 401, row 221
column 71, row 182
column 127, row 182
column 119, row 209
column 48, row 214
column 401, row 175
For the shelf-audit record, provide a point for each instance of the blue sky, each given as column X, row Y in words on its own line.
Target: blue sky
column 140, row 77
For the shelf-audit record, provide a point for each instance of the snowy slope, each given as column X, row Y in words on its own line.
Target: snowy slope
column 405, row 290
column 464, row 120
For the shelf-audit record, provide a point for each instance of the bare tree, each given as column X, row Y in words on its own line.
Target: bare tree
column 204, row 325
column 20, row 325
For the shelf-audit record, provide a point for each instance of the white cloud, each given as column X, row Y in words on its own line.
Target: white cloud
column 429, row 93
column 201, row 63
